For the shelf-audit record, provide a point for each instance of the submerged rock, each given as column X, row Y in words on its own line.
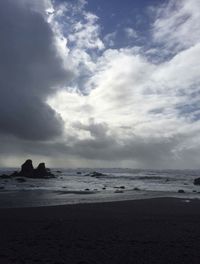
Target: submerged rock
column 20, row 180
column 4, row 176
column 118, row 191
column 119, row 187
column 14, row 174
column 181, row 191
column 96, row 174
column 196, row 181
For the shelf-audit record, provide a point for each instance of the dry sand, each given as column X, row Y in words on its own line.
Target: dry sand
column 160, row 231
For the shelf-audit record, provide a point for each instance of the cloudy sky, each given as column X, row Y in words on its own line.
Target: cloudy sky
column 98, row 83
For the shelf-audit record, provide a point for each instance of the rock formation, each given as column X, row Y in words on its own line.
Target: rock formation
column 28, row 171
column 41, row 170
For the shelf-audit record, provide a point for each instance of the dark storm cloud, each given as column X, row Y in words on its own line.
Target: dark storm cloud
column 30, row 70
column 154, row 152
column 107, row 150
column 136, row 149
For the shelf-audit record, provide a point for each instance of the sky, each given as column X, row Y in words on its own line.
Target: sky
column 97, row 83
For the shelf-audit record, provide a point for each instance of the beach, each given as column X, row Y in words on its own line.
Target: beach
column 100, row 132
column 161, row 230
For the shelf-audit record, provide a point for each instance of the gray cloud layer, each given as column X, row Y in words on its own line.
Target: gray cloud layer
column 30, row 70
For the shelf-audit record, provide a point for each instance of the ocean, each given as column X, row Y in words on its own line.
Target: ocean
column 71, row 186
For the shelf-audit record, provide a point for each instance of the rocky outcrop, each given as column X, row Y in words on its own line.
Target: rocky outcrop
column 41, row 170
column 28, row 171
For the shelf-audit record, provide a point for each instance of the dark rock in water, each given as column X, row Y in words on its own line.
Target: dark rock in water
column 197, row 181
column 78, row 172
column 181, row 191
column 96, row 174
column 4, row 176
column 119, row 187
column 194, row 191
column 104, row 188
column 136, row 189
column 27, row 169
column 14, row 174
column 42, row 172
column 20, row 180
column 118, row 191
column 2, row 187
column 58, row 171
column 87, row 189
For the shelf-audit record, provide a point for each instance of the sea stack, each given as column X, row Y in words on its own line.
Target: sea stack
column 27, row 169
column 42, row 171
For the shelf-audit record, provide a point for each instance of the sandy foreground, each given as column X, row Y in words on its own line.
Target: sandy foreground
column 164, row 230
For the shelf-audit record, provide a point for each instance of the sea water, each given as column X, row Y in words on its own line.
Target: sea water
column 78, row 186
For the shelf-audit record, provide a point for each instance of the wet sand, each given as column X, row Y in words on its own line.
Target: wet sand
column 163, row 230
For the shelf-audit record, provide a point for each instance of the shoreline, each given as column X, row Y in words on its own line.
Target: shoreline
column 183, row 202
column 157, row 230
column 43, row 198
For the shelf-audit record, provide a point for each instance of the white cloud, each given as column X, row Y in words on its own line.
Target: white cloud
column 85, row 34
column 142, row 106
column 130, row 32
column 109, row 39
column 178, row 24
column 77, row 38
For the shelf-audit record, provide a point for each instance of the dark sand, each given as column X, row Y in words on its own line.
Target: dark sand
column 146, row 231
